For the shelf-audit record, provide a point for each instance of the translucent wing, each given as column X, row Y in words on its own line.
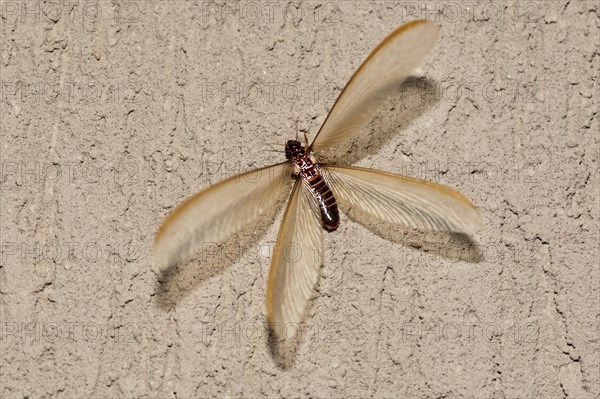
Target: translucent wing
column 404, row 200
column 219, row 211
column 379, row 76
column 297, row 259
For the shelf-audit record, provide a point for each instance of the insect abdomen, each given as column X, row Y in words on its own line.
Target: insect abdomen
column 327, row 204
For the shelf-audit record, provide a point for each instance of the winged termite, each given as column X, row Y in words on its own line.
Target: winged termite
column 221, row 210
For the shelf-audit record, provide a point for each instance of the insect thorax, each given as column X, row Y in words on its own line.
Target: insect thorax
column 303, row 161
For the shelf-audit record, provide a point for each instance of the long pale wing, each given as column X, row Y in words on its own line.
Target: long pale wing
column 379, row 76
column 219, row 211
column 403, row 200
column 297, row 258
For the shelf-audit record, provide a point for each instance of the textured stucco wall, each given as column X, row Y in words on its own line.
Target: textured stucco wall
column 114, row 112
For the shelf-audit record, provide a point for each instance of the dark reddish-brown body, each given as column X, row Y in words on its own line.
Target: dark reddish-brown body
column 307, row 169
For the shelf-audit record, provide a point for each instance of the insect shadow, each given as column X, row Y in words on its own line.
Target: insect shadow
column 411, row 100
column 451, row 246
column 284, row 351
column 178, row 281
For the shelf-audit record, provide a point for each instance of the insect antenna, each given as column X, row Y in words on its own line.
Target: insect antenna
column 271, row 149
column 306, row 148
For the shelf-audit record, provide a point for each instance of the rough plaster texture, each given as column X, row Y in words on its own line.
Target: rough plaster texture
column 114, row 112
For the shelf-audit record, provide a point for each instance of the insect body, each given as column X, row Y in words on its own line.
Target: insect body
column 224, row 208
column 306, row 168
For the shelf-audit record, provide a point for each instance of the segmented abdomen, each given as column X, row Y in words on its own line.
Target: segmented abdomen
column 327, row 204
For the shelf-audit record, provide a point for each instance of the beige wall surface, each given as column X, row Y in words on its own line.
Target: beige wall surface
column 114, row 112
